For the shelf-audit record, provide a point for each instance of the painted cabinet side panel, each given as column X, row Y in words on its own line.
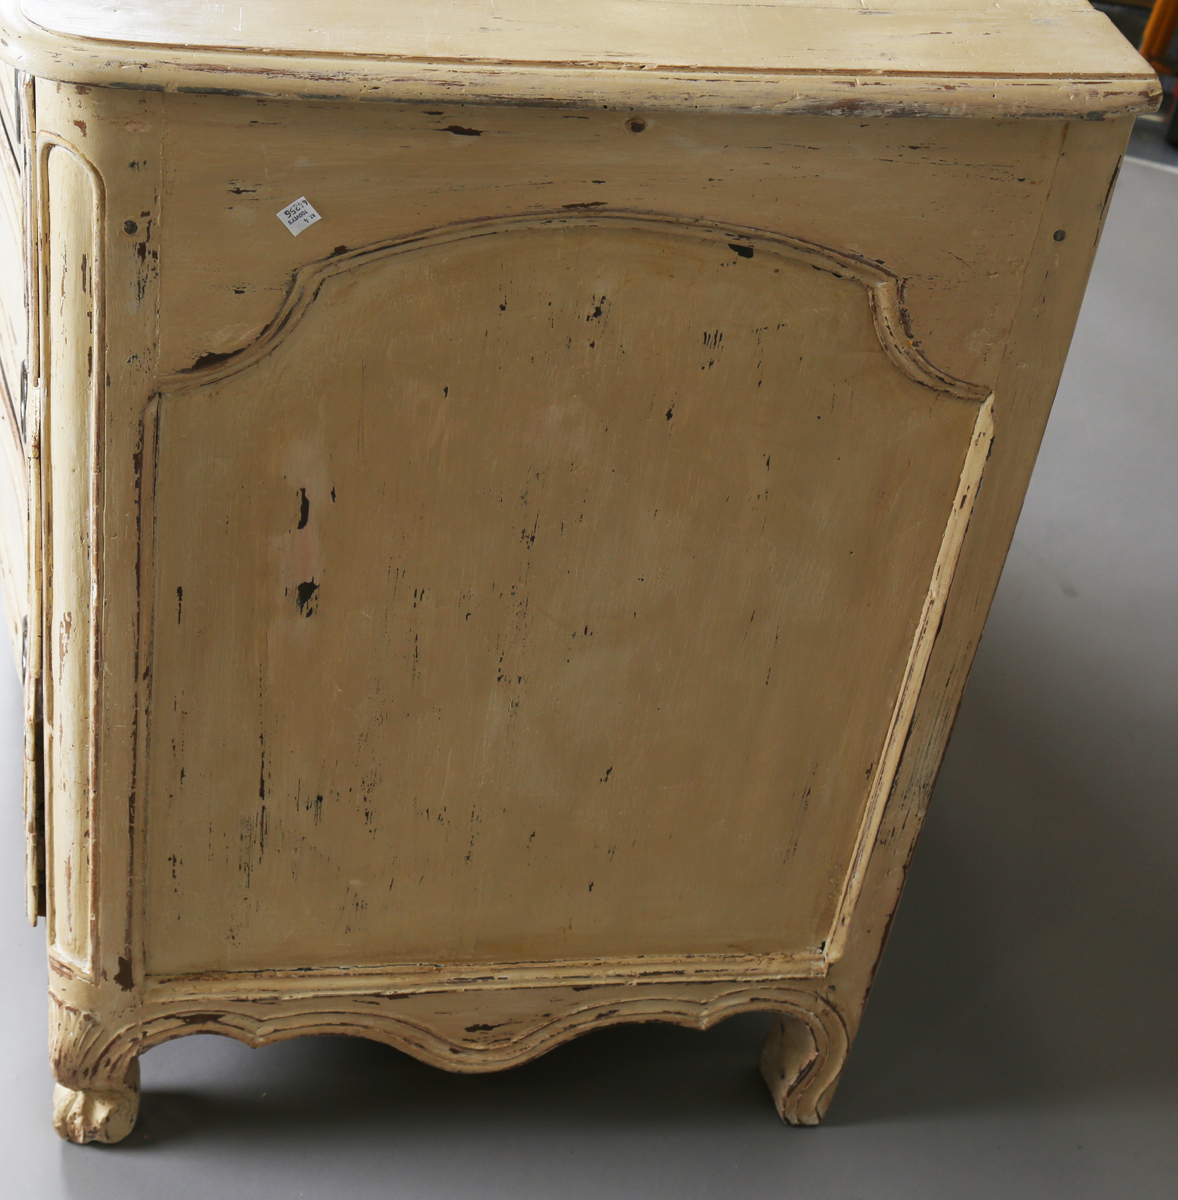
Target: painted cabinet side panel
column 68, row 454
column 495, row 619
column 957, row 209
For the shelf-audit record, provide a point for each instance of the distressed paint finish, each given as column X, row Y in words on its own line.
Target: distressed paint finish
column 590, row 520
column 1037, row 58
column 14, row 581
column 233, row 165
column 536, row 597
column 73, row 382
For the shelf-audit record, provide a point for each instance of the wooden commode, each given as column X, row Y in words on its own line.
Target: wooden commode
column 500, row 498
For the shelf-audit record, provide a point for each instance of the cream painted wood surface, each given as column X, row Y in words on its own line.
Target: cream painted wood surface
column 595, row 607
column 1034, row 57
column 537, row 595
column 13, row 378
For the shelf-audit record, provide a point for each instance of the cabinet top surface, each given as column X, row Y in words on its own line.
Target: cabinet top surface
column 849, row 57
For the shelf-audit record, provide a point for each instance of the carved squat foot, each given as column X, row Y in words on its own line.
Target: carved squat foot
column 97, row 1114
column 801, row 1062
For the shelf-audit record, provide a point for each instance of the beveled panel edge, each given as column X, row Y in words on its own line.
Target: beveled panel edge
column 928, row 626
column 620, row 85
column 885, row 289
column 431, row 977
column 47, row 143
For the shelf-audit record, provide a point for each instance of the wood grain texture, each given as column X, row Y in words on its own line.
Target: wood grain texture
column 746, row 403
column 1044, row 58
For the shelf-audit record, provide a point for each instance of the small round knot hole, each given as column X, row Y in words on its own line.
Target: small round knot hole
column 635, row 124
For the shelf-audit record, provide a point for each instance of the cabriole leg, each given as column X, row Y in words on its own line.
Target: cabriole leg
column 97, row 1093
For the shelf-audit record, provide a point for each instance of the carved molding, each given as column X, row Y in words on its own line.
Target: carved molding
column 48, row 144
column 884, row 289
column 82, row 1053
column 926, row 84
column 423, row 977
column 98, row 1056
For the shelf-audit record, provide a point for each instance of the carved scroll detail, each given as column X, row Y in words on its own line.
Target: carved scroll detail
column 97, row 1094
column 802, row 1060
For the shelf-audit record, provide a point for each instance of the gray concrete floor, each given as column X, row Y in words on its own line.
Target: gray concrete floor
column 1149, row 135
column 1021, row 1039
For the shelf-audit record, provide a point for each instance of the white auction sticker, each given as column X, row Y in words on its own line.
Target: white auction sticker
column 298, row 215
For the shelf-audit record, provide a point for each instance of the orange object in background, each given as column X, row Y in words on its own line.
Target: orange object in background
column 1158, row 35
